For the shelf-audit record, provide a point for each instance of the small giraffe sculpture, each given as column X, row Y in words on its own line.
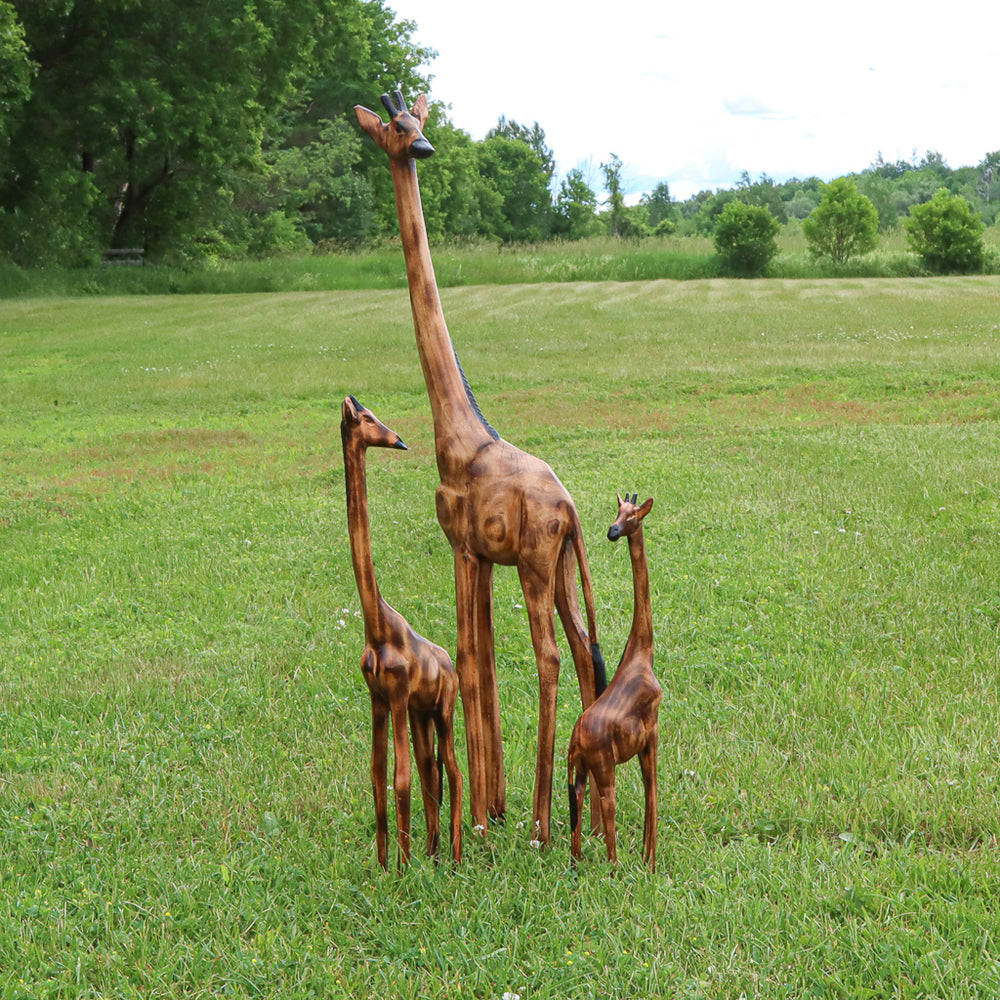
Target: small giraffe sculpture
column 496, row 505
column 406, row 674
column 624, row 721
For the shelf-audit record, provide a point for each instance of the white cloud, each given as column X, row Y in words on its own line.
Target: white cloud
column 694, row 95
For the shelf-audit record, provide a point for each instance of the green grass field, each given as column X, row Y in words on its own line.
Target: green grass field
column 184, row 800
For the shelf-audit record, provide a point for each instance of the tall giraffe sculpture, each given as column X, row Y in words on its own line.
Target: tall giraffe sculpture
column 624, row 721
column 407, row 675
column 496, row 505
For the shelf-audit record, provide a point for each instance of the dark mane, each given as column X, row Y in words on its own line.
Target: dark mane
column 472, row 400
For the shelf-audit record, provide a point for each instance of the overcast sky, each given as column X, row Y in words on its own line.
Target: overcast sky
column 696, row 93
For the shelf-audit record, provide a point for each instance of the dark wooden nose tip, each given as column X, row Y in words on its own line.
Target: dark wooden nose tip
column 421, row 149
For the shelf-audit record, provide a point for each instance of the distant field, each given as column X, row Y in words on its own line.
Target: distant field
column 184, row 800
column 461, row 264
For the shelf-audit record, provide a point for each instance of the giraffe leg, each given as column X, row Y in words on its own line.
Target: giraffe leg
column 422, row 730
column 647, row 761
column 608, row 814
column 489, row 693
column 466, row 572
column 380, row 747
column 568, row 606
column 446, row 752
column 577, row 791
column 402, row 776
column 539, row 598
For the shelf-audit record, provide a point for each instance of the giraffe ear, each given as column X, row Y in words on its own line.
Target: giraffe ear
column 645, row 508
column 369, row 121
column 350, row 409
column 420, row 110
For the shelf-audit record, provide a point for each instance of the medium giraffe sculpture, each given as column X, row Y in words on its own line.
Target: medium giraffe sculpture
column 624, row 721
column 496, row 505
column 406, row 674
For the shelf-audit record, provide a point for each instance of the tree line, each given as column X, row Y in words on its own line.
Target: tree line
column 196, row 130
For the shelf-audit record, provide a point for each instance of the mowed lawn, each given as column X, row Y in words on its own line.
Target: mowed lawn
column 185, row 807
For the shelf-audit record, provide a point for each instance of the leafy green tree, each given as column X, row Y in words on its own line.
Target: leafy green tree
column 660, row 209
column 316, row 185
column 745, row 237
column 615, row 201
column 16, row 69
column 763, row 193
column 708, row 207
column 533, row 136
column 362, row 52
column 877, row 188
column 801, row 204
column 452, row 190
column 517, row 174
column 621, row 221
column 988, row 185
column 947, row 233
column 176, row 123
column 843, row 225
column 140, row 111
column 575, row 214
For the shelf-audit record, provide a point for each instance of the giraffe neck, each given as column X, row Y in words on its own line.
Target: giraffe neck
column 359, row 529
column 641, row 633
column 457, row 419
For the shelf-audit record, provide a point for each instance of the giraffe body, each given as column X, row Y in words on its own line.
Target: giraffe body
column 497, row 505
column 624, row 721
column 411, row 680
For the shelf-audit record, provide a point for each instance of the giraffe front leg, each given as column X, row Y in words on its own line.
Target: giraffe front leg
column 489, row 693
column 402, row 776
column 539, row 598
column 466, row 665
column 647, row 761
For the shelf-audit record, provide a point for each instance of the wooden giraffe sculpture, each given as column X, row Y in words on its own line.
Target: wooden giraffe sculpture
column 406, row 674
column 496, row 505
column 624, row 721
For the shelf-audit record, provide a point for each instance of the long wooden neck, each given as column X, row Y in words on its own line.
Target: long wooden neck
column 641, row 633
column 359, row 529
column 455, row 416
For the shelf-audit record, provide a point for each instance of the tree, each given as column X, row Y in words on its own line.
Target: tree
column 622, row 222
column 947, row 233
column 317, row 186
column 16, row 69
column 843, row 225
column 612, row 171
column 516, row 172
column 762, row 193
column 134, row 122
column 745, row 237
column 576, row 207
column 660, row 209
column 148, row 121
column 534, row 137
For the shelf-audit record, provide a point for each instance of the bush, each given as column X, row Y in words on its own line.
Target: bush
column 843, row 225
column 947, row 234
column 745, row 237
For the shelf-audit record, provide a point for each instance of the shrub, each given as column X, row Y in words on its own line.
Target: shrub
column 745, row 237
column 947, row 234
column 843, row 225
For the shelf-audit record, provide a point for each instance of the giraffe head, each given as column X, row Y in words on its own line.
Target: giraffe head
column 356, row 421
column 630, row 516
column 402, row 137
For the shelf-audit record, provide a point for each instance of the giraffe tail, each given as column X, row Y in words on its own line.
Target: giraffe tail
column 600, row 671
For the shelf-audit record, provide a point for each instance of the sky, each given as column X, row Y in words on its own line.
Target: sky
column 694, row 94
